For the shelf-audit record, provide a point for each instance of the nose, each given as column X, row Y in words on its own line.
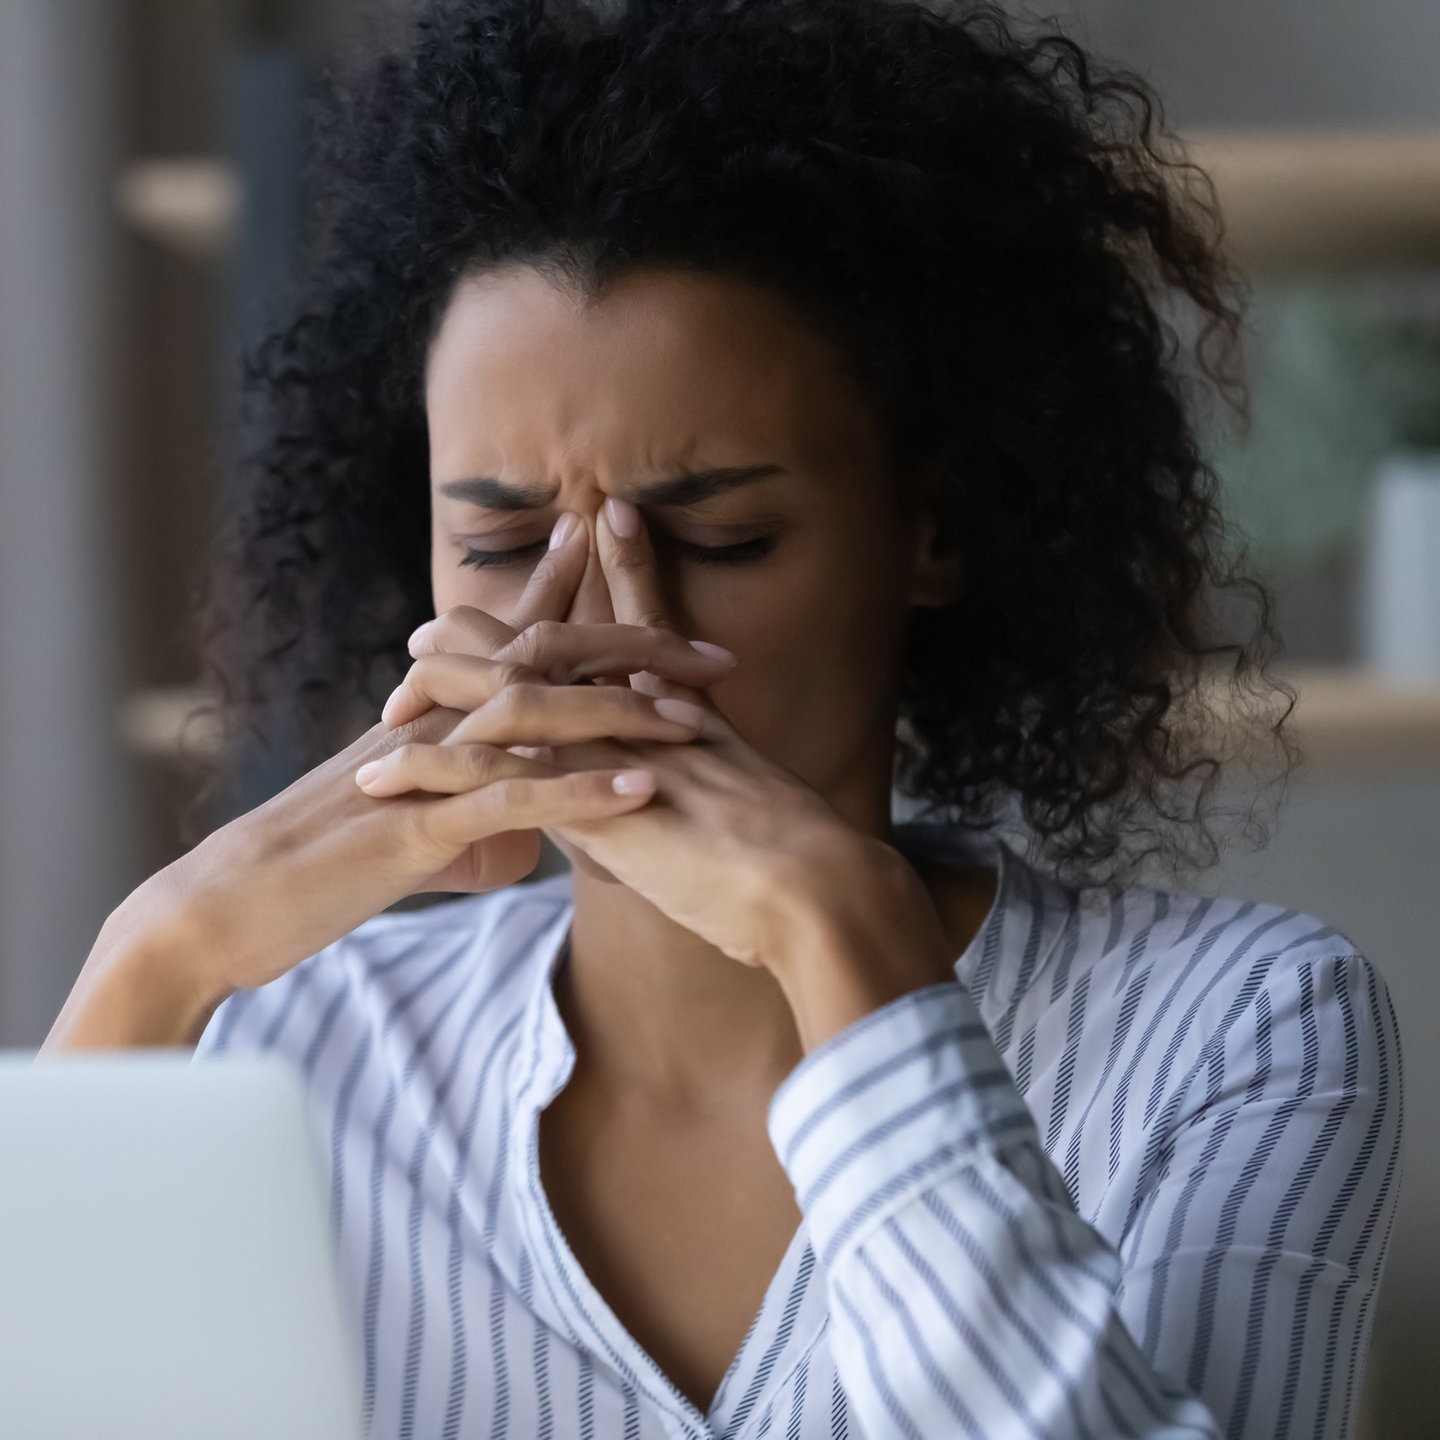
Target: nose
column 591, row 603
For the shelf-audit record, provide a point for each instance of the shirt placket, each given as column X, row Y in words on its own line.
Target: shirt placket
column 586, row 1318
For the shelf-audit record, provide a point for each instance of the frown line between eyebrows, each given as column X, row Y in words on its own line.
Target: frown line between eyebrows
column 688, row 489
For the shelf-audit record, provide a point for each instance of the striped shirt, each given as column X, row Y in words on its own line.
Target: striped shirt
column 1133, row 1175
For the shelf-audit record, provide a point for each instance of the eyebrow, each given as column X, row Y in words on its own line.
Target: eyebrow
column 688, row 489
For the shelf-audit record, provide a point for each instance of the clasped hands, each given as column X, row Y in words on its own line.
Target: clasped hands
column 727, row 843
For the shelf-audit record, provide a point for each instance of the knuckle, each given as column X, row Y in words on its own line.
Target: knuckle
column 420, row 676
column 441, row 629
column 515, row 701
column 481, row 764
column 505, row 792
column 457, row 620
column 500, row 797
column 512, row 675
column 525, row 649
column 623, row 701
column 459, row 615
column 543, row 636
column 405, row 737
column 433, row 726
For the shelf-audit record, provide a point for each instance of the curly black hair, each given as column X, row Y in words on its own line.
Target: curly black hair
column 1010, row 249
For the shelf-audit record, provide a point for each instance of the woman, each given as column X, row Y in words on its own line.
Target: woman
column 777, row 401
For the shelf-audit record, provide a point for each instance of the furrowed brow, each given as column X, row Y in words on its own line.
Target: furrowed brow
column 491, row 494
column 687, row 489
column 697, row 485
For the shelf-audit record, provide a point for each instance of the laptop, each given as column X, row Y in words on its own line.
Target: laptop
column 167, row 1267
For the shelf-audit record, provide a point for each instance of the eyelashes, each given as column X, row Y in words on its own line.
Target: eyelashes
column 737, row 554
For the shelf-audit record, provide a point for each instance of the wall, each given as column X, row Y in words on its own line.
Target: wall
column 1273, row 62
column 1361, row 849
column 64, row 781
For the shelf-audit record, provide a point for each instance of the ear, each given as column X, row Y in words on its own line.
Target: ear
column 937, row 575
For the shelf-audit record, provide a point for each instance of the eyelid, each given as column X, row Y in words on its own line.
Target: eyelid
column 479, row 558
column 753, row 547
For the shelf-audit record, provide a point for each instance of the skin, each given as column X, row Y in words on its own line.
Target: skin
column 752, row 908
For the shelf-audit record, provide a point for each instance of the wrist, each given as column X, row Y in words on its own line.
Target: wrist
column 140, row 985
column 854, row 931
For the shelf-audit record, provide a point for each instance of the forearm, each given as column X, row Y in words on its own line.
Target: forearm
column 140, row 986
column 967, row 1294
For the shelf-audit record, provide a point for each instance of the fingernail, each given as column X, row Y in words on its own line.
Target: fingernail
column 623, row 518
column 715, row 652
column 389, row 705
column 417, row 633
column 564, row 529
column 542, row 753
column 633, row 782
column 680, row 711
column 366, row 773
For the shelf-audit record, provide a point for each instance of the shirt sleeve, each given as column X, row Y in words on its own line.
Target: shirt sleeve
column 968, row 1297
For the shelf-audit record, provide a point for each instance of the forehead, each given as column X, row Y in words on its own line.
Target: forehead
column 667, row 367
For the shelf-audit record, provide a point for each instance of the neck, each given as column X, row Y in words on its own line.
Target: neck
column 653, row 1009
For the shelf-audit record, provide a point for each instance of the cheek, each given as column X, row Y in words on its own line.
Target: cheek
column 819, row 646
column 496, row 592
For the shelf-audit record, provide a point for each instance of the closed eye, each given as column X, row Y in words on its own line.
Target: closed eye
column 736, row 554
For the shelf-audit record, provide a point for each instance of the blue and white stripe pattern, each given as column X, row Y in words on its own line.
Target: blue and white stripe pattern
column 1133, row 1175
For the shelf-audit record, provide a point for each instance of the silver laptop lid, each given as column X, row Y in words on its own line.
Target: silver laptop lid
column 166, row 1264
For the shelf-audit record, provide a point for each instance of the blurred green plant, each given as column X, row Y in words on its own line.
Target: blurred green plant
column 1341, row 373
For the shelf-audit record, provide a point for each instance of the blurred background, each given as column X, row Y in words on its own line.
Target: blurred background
column 150, row 198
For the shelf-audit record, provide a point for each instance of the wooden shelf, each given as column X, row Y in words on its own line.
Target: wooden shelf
column 1298, row 199
column 189, row 203
column 163, row 722
column 1347, row 718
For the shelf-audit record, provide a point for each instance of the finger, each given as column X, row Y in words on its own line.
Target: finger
column 508, row 704
column 491, row 864
column 461, row 628
column 456, row 769
column 427, row 767
column 552, row 585
column 591, row 605
column 547, row 594
column 462, row 682
column 524, row 802
column 566, row 652
column 543, row 753
column 628, row 560
column 431, row 727
column 629, row 564
column 528, row 714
